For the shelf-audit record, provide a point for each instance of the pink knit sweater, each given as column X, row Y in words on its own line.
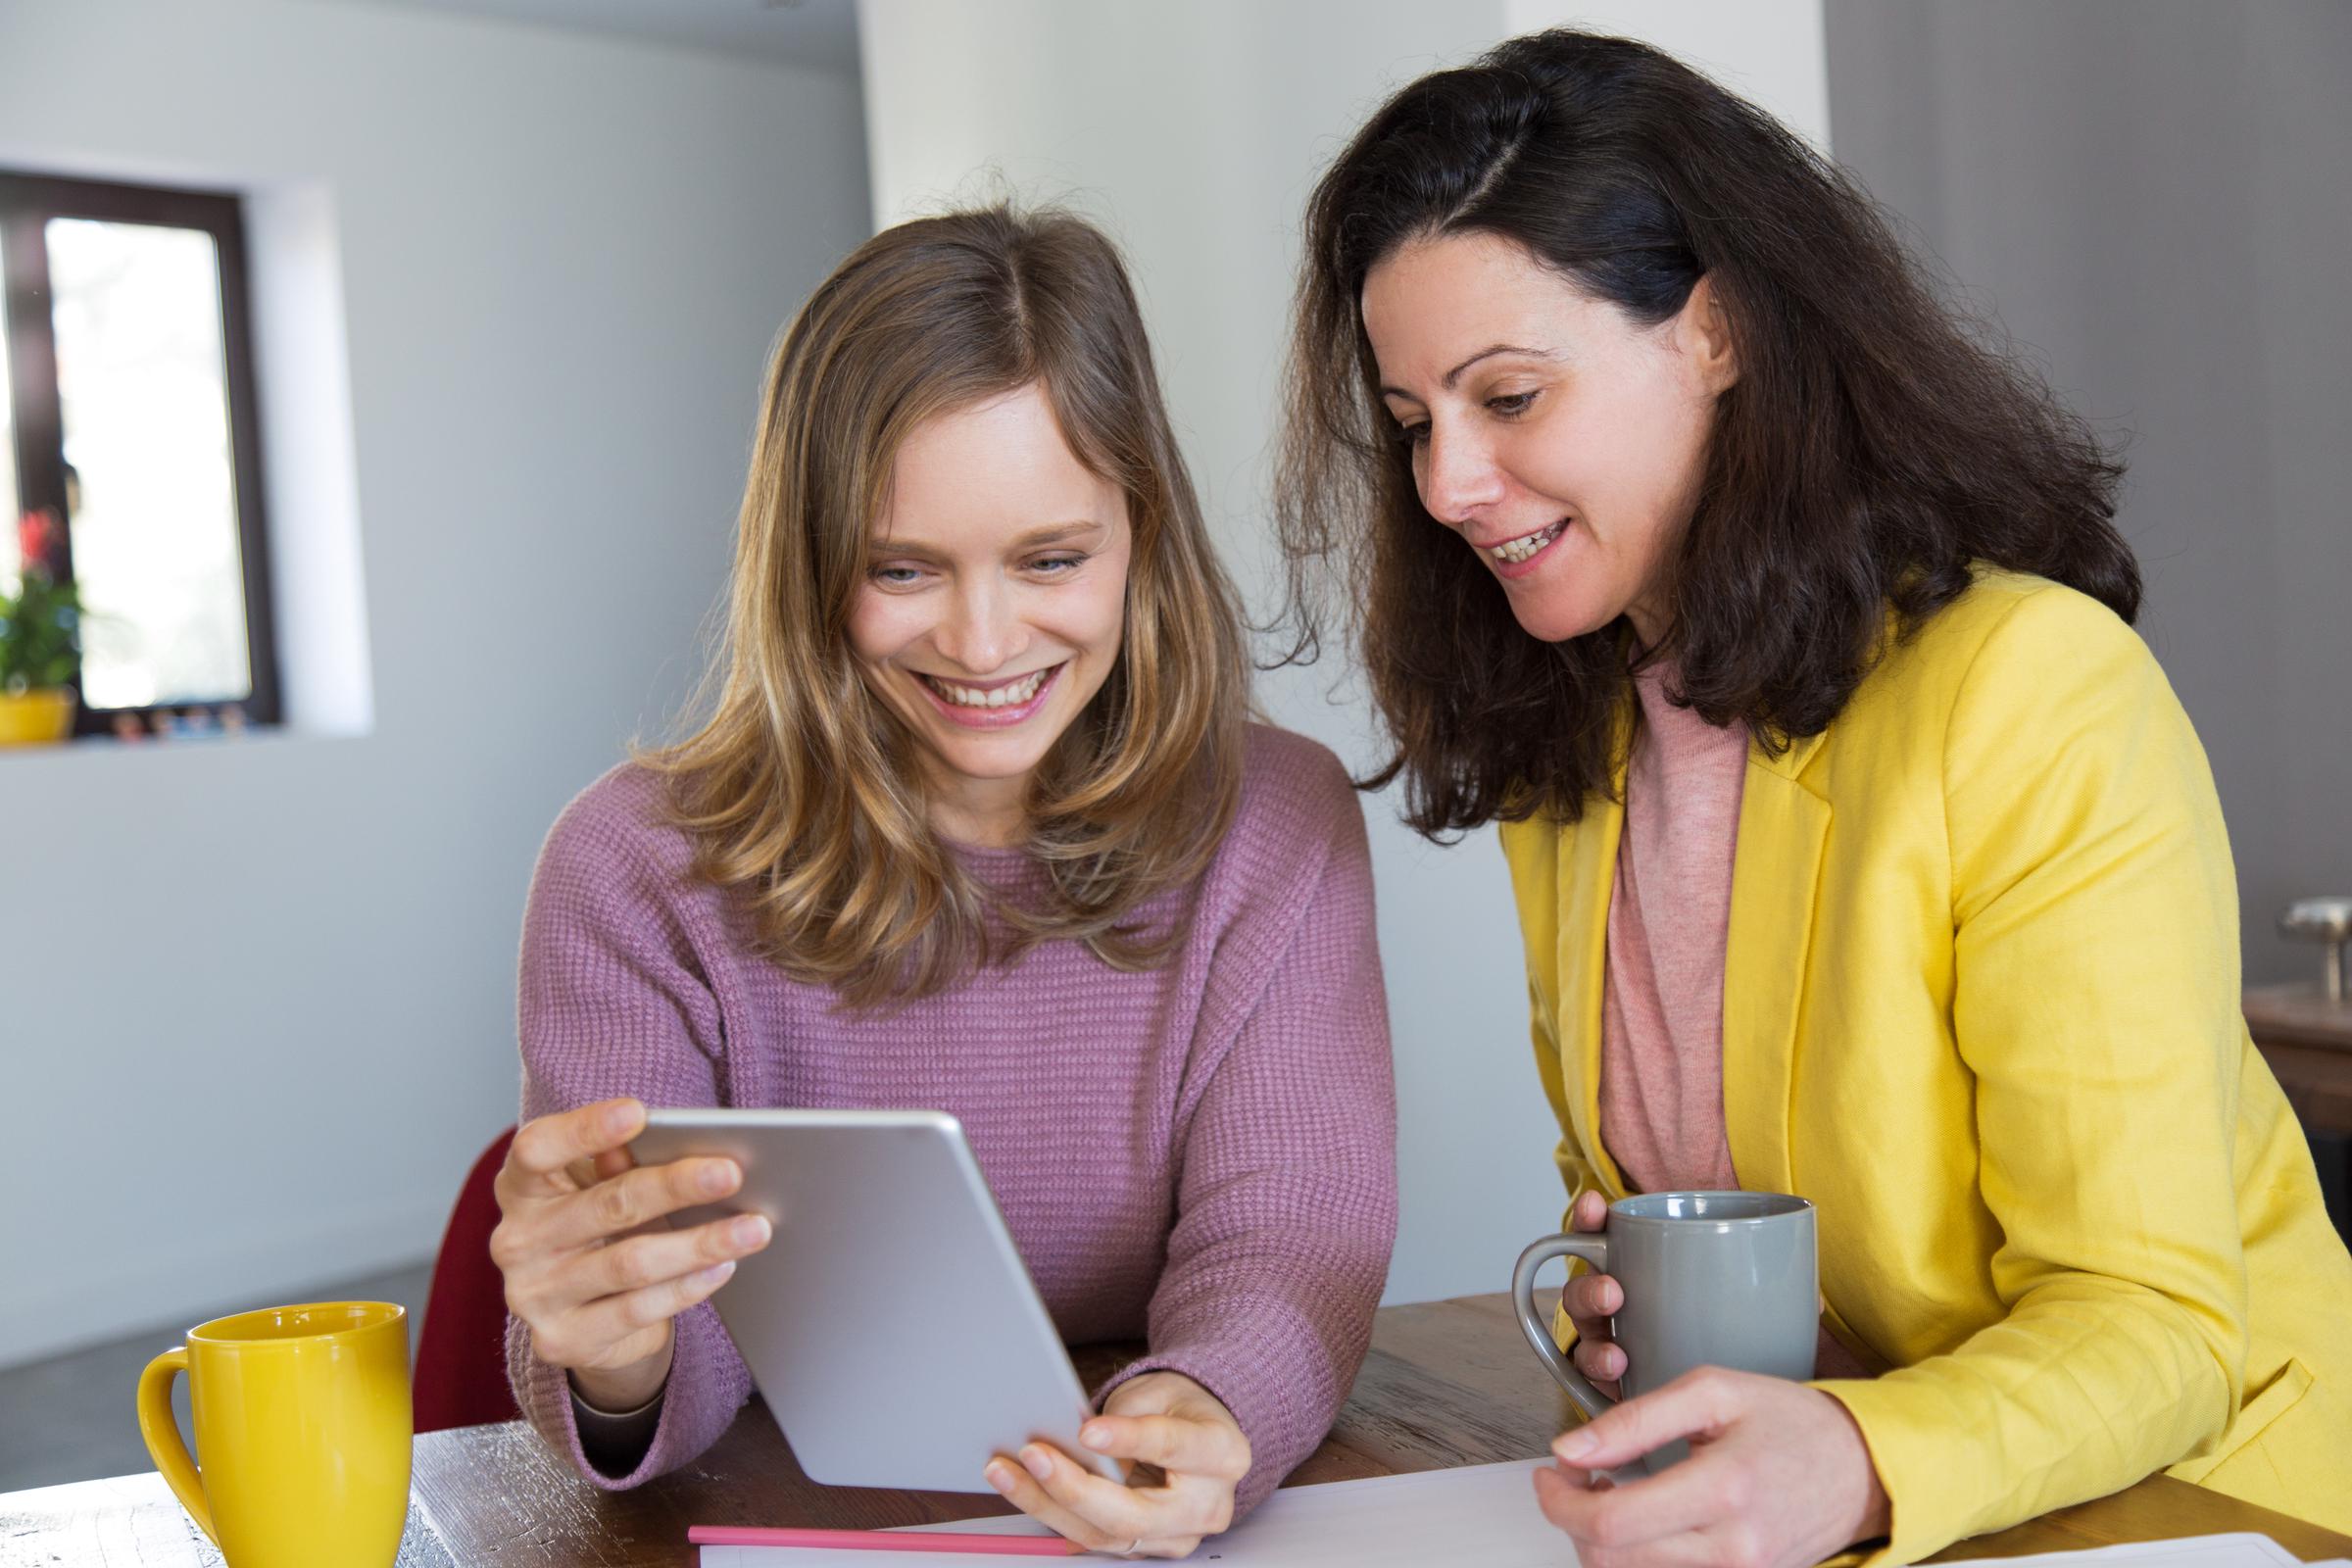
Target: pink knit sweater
column 1202, row 1156
column 1661, row 1016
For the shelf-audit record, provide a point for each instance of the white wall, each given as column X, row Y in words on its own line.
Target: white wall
column 1772, row 52
column 1195, row 134
column 256, row 999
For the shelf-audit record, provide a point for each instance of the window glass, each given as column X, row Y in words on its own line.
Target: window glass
column 141, row 378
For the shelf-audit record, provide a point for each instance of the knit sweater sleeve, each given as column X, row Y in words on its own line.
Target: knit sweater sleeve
column 1287, row 1205
column 613, row 1000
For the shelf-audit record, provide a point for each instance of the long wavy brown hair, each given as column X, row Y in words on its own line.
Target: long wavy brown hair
column 1874, row 450
column 802, row 789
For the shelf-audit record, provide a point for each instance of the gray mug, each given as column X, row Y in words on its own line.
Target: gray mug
column 1710, row 1279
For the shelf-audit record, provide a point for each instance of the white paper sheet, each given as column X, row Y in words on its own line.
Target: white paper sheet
column 1480, row 1514
column 1483, row 1514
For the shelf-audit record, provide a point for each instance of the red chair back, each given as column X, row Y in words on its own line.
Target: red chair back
column 461, row 1376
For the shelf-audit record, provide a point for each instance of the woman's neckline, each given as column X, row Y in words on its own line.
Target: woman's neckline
column 993, row 852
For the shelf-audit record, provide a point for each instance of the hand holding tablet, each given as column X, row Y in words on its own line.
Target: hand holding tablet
column 1161, row 1419
column 890, row 1323
column 591, row 1267
column 831, row 1230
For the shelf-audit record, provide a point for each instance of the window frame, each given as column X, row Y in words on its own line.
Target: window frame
column 27, row 202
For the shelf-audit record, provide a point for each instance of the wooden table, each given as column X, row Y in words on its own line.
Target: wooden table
column 1448, row 1383
column 2307, row 1040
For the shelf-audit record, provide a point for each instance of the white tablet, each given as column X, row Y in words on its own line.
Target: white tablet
column 889, row 1323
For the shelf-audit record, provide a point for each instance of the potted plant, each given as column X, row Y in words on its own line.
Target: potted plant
column 40, row 627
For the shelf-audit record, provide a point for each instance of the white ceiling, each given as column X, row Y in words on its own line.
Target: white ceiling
column 807, row 32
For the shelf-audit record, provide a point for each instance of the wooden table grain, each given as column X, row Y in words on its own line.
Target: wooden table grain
column 1448, row 1383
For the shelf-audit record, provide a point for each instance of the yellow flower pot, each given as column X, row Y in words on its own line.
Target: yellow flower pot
column 37, row 717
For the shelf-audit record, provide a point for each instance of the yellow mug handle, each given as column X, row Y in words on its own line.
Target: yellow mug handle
column 165, row 1444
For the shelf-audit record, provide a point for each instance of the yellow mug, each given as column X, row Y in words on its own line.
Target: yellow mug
column 302, row 1420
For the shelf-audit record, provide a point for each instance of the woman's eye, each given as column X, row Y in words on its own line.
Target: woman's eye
column 1413, row 435
column 1510, row 405
column 1056, row 566
column 896, row 577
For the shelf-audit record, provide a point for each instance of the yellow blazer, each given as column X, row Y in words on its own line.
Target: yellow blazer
column 1980, row 1006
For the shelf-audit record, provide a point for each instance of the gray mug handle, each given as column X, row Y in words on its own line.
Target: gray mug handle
column 1593, row 1248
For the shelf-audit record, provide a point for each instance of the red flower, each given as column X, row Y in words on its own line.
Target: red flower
column 34, row 530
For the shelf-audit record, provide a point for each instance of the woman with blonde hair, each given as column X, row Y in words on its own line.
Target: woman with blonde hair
column 977, row 822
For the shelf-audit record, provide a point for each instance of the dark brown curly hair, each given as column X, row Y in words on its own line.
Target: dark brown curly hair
column 1872, row 452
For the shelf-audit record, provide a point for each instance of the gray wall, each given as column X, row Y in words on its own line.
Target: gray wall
column 257, row 999
column 2155, row 198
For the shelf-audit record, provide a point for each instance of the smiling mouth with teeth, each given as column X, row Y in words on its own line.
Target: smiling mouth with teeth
column 1012, row 693
column 1513, row 551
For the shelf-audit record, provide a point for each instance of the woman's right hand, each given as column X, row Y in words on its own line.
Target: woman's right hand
column 1591, row 1299
column 590, row 1268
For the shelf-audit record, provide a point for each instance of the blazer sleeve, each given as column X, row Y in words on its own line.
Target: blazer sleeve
column 2096, row 1004
column 613, row 1000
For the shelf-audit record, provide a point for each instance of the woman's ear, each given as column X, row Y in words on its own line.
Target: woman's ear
column 1703, row 330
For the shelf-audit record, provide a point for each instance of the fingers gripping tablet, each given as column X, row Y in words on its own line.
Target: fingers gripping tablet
column 877, row 1377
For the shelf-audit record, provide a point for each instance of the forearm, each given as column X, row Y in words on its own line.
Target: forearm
column 708, row 1384
column 1287, row 1213
column 1278, row 1339
column 2086, row 1388
column 1271, row 1313
column 615, row 1442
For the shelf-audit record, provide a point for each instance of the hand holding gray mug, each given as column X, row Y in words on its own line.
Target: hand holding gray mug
column 1704, row 1279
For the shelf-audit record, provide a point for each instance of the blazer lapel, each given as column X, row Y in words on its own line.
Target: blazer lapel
column 1784, row 830
column 1587, row 876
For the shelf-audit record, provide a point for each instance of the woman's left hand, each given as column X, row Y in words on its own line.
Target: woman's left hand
column 1161, row 1419
column 1778, row 1476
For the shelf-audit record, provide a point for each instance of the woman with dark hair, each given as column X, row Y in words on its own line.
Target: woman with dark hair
column 1860, row 848
column 975, row 821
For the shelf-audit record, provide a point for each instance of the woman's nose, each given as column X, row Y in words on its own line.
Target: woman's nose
column 980, row 631
column 1459, row 475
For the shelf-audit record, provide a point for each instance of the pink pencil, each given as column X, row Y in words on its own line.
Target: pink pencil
column 885, row 1541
